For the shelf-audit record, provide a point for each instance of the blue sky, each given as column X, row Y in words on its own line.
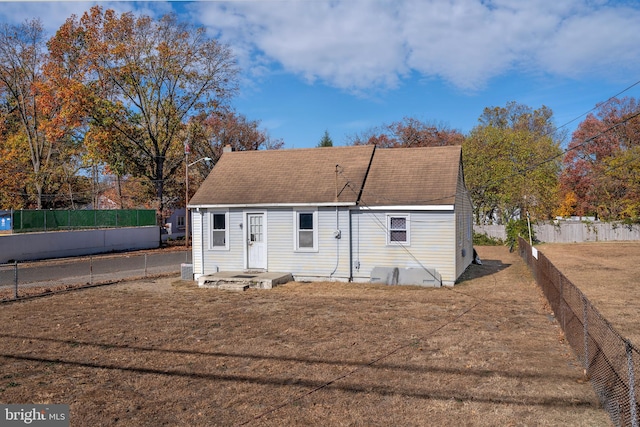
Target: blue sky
column 346, row 66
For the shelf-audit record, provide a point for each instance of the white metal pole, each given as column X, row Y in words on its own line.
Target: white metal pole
column 529, row 227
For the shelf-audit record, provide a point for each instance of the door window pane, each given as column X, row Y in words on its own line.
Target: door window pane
column 255, row 228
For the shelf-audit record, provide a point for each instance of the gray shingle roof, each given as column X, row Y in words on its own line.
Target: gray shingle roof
column 412, row 176
column 394, row 176
column 284, row 176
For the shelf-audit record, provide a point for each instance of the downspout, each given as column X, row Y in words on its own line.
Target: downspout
column 337, row 236
column 201, row 241
column 350, row 218
column 336, row 233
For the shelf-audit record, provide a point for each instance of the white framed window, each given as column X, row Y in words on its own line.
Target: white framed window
column 219, row 230
column 306, row 230
column 398, row 232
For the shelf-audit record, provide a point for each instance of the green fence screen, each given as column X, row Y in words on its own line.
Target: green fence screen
column 24, row 221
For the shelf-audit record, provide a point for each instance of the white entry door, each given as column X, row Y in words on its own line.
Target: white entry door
column 257, row 248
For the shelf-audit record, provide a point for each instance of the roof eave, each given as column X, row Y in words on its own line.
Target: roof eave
column 268, row 205
column 443, row 207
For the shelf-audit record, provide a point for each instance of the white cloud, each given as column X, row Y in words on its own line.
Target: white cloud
column 54, row 13
column 604, row 42
column 362, row 45
column 358, row 45
column 352, row 44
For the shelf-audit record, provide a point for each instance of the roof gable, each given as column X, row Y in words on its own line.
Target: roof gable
column 355, row 174
column 300, row 176
column 413, row 176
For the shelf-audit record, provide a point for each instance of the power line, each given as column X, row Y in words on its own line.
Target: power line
column 564, row 152
column 598, row 105
column 372, row 362
column 554, row 157
column 383, row 226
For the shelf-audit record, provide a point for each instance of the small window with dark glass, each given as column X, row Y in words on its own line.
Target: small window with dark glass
column 219, row 230
column 398, row 229
column 305, row 230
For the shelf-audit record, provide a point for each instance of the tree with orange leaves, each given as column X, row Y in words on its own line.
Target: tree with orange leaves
column 208, row 135
column 140, row 80
column 602, row 163
column 22, row 55
column 409, row 132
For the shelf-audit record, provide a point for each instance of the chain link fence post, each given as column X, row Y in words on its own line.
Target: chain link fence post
column 610, row 368
column 585, row 328
column 632, row 384
column 15, row 279
column 561, row 303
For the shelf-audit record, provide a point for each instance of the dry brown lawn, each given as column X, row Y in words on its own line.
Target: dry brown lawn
column 163, row 352
column 609, row 275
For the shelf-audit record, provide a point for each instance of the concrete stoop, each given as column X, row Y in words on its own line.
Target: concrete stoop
column 241, row 281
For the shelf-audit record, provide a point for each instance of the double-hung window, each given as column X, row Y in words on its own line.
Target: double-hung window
column 219, row 230
column 398, row 229
column 306, row 226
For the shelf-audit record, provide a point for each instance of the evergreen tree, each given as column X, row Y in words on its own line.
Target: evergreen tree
column 326, row 140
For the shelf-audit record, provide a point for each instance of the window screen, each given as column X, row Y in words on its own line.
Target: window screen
column 398, row 229
column 219, row 230
column 305, row 230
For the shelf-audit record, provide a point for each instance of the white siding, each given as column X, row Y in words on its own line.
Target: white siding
column 222, row 259
column 431, row 245
column 331, row 260
column 196, row 241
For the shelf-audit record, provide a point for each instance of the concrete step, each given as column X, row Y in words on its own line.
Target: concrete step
column 264, row 280
column 233, row 286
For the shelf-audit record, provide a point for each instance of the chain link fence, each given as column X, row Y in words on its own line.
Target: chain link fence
column 610, row 361
column 18, row 280
column 24, row 221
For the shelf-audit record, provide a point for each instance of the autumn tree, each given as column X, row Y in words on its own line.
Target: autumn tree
column 22, row 55
column 14, row 164
column 409, row 132
column 143, row 80
column 208, row 135
column 602, row 163
column 512, row 162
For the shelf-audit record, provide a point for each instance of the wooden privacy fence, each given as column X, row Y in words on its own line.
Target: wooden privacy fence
column 610, row 361
column 571, row 231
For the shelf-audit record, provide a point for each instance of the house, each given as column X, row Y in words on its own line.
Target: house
column 357, row 213
column 174, row 226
